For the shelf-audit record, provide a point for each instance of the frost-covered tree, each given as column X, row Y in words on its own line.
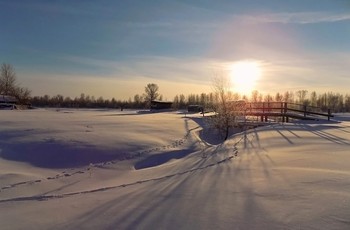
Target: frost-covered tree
column 225, row 109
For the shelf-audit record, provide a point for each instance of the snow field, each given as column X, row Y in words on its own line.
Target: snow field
column 283, row 176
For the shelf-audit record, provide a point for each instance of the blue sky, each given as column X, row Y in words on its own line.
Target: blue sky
column 114, row 48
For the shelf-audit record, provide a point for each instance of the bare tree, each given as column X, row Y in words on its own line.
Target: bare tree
column 7, row 79
column 22, row 94
column 255, row 95
column 313, row 98
column 288, row 96
column 138, row 101
column 268, row 98
column 278, row 97
column 301, row 94
column 151, row 92
column 9, row 86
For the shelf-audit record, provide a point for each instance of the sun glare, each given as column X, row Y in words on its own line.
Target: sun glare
column 244, row 75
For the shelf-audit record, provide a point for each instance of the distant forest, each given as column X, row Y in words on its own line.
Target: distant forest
column 335, row 101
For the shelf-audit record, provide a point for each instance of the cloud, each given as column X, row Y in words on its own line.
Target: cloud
column 189, row 69
column 298, row 17
column 49, row 7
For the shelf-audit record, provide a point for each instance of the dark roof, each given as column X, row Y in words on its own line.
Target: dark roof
column 156, row 105
column 161, row 102
column 7, row 99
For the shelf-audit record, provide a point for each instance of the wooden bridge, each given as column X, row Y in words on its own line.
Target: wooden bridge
column 281, row 110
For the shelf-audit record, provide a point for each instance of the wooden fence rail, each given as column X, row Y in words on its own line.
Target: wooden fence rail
column 284, row 110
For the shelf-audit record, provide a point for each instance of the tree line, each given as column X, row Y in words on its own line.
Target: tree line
column 142, row 101
column 335, row 101
column 9, row 86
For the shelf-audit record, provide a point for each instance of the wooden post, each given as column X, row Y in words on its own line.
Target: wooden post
column 329, row 114
column 268, row 109
column 282, row 112
column 286, row 111
column 263, row 107
column 304, row 110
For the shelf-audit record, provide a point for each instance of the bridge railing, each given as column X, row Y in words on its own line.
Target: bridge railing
column 284, row 110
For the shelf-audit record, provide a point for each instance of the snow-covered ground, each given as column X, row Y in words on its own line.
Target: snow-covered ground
column 106, row 169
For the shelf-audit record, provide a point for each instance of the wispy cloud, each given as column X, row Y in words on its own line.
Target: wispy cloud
column 48, row 7
column 299, row 17
column 190, row 69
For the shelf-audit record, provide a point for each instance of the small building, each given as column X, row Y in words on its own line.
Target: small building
column 158, row 105
column 8, row 99
column 7, row 102
column 195, row 108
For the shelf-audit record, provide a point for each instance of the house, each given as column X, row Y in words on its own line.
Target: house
column 157, row 105
column 8, row 99
column 195, row 109
column 7, row 102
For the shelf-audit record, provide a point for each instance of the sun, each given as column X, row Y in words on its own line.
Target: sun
column 244, row 75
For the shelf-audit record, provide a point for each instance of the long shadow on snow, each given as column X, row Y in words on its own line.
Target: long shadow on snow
column 319, row 130
column 159, row 159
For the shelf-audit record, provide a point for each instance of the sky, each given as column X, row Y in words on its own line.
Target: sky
column 113, row 48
